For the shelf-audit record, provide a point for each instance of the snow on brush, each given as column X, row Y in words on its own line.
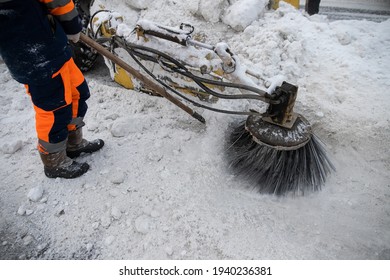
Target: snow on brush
column 161, row 189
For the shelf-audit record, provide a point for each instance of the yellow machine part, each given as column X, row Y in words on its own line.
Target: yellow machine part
column 123, row 78
column 275, row 3
column 105, row 27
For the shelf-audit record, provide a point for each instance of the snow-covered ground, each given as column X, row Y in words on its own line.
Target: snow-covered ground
column 161, row 188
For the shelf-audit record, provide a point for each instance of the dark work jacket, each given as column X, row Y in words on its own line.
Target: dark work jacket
column 33, row 46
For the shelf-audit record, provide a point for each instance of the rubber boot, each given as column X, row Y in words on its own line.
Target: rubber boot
column 77, row 145
column 58, row 165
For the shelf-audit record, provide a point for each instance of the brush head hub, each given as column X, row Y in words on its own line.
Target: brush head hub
column 277, row 137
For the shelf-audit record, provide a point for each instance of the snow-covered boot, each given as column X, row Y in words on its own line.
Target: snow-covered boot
column 59, row 165
column 77, row 145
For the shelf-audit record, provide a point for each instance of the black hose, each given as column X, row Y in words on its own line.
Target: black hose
column 183, row 96
column 199, row 80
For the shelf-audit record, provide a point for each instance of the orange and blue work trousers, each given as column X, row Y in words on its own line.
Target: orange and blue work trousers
column 60, row 106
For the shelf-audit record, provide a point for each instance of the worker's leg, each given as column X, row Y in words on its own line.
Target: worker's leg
column 53, row 110
column 80, row 93
column 312, row 6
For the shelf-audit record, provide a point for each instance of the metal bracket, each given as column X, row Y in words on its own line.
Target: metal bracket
column 282, row 113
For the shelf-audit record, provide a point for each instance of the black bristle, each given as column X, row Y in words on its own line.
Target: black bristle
column 279, row 171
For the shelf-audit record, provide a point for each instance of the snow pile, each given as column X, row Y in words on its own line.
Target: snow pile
column 237, row 14
column 139, row 4
column 243, row 12
column 160, row 188
column 212, row 10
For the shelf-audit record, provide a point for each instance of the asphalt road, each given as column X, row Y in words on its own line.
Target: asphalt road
column 334, row 13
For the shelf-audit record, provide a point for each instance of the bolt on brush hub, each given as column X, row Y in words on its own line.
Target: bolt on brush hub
column 278, row 137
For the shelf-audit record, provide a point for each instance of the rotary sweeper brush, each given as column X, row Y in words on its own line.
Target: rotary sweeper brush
column 275, row 148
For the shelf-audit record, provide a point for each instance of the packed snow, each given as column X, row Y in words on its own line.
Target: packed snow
column 161, row 187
